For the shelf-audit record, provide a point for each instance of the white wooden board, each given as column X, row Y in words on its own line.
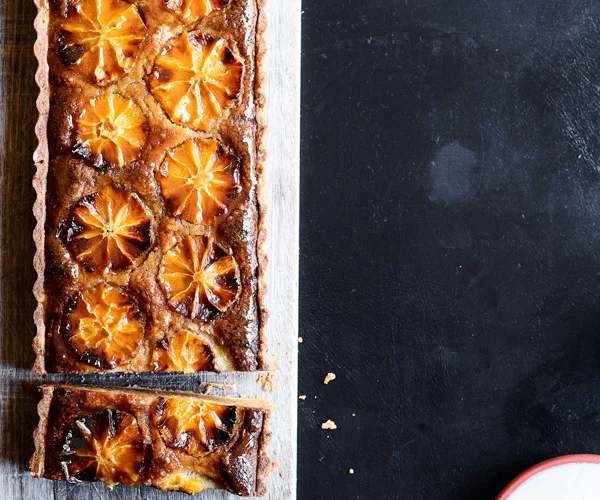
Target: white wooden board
column 17, row 403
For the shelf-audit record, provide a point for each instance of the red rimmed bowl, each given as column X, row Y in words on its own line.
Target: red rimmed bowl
column 517, row 482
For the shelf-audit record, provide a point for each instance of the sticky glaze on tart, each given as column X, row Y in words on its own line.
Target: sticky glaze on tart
column 183, row 352
column 101, row 38
column 171, row 441
column 104, row 326
column 110, row 130
column 108, row 231
column 199, row 278
column 196, row 78
column 199, row 180
column 151, row 255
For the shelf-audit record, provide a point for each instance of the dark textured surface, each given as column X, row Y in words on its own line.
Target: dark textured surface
column 450, row 249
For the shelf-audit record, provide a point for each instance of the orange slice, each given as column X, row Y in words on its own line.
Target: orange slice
column 198, row 180
column 193, row 426
column 179, row 481
column 183, row 352
column 195, row 78
column 110, row 131
column 199, row 278
column 109, row 231
column 193, row 10
column 104, row 326
column 101, row 38
column 106, row 446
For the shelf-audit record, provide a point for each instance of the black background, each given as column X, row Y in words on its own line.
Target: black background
column 450, row 243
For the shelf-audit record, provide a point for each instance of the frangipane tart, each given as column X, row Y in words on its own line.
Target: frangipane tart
column 171, row 441
column 150, row 227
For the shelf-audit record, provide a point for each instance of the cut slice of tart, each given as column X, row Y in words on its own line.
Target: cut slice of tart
column 172, row 441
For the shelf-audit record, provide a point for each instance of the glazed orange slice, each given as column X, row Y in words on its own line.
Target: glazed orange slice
column 198, row 180
column 110, row 131
column 195, row 78
column 183, row 352
column 106, row 446
column 101, row 38
column 179, row 481
column 193, row 10
column 193, row 426
column 109, row 231
column 104, row 326
column 199, row 278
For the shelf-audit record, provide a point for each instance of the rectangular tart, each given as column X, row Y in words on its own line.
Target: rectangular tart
column 149, row 181
column 171, row 441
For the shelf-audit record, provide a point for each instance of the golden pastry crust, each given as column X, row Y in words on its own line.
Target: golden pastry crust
column 142, row 438
column 92, row 140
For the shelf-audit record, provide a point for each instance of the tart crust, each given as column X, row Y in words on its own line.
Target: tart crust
column 239, row 464
column 65, row 176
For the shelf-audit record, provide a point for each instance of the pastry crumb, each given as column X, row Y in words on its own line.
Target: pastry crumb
column 282, row 474
column 329, row 377
column 329, row 425
column 302, row 397
column 271, row 467
column 267, row 380
column 351, row 471
column 209, row 386
column 300, row 340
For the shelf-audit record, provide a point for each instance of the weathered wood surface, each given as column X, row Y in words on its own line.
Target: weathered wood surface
column 17, row 142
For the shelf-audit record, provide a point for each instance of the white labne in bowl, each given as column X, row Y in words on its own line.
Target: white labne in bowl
column 574, row 481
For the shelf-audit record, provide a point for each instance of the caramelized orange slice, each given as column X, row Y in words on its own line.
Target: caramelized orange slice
column 183, row 352
column 106, row 446
column 193, row 426
column 109, row 231
column 104, row 326
column 179, row 481
column 101, row 38
column 193, row 10
column 110, row 131
column 195, row 77
column 199, row 278
column 198, row 180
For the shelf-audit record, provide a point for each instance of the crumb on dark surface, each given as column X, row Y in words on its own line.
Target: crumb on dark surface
column 329, row 425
